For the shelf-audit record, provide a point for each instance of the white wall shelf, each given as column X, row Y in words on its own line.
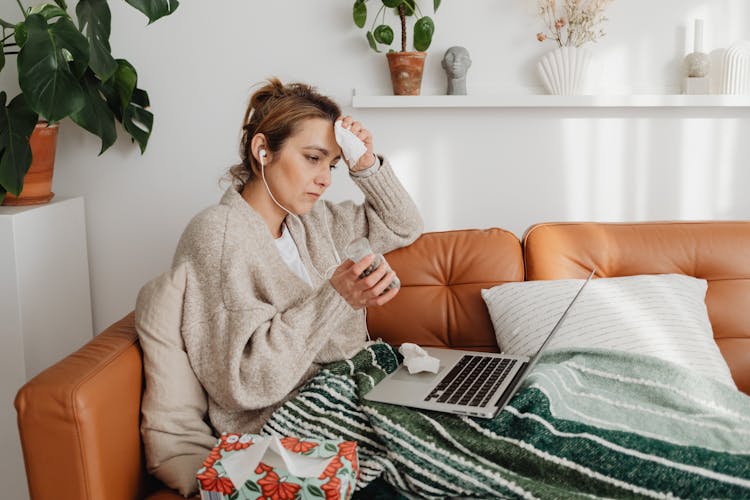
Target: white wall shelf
column 551, row 101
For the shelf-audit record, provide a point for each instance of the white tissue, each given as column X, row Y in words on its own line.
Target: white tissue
column 417, row 360
column 240, row 465
column 351, row 146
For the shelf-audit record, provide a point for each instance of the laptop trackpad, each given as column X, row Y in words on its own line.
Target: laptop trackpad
column 403, row 375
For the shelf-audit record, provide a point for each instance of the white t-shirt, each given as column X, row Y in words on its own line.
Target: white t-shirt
column 290, row 254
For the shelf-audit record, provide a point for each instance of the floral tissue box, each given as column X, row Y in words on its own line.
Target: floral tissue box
column 250, row 466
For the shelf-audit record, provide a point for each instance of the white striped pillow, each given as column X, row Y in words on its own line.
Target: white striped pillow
column 657, row 315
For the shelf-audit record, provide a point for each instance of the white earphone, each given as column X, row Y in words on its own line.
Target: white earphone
column 262, row 154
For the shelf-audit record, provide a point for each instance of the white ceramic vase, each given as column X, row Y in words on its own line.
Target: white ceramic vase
column 566, row 70
column 735, row 69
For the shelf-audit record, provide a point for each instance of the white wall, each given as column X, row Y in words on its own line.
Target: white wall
column 465, row 167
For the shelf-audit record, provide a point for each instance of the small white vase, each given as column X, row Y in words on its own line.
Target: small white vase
column 735, row 69
column 566, row 70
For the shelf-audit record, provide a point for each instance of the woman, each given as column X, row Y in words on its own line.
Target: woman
column 262, row 309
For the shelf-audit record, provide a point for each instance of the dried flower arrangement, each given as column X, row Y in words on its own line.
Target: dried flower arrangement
column 575, row 23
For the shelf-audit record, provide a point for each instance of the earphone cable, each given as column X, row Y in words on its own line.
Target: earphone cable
column 323, row 276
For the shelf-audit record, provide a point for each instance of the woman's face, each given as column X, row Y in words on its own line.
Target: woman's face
column 300, row 172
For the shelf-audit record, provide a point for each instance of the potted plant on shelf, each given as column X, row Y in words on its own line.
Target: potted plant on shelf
column 66, row 70
column 406, row 67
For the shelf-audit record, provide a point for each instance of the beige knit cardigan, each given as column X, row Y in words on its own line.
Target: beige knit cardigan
column 253, row 330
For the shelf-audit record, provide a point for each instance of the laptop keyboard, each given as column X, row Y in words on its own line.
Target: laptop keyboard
column 472, row 381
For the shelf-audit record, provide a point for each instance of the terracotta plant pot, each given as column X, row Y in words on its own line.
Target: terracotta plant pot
column 406, row 71
column 37, row 185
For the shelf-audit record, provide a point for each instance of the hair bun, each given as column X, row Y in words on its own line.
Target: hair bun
column 273, row 89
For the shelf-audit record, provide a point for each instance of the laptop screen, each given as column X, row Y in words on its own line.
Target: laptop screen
column 532, row 362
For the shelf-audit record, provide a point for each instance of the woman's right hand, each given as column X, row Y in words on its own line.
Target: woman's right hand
column 364, row 292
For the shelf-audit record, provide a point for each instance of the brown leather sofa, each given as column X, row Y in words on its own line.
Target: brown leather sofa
column 79, row 419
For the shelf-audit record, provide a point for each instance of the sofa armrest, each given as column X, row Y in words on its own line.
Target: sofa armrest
column 79, row 421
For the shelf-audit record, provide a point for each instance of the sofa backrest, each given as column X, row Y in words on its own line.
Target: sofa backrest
column 718, row 252
column 441, row 275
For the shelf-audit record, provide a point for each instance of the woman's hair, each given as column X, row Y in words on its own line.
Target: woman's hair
column 276, row 111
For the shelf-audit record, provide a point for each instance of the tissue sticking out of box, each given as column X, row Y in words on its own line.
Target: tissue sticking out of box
column 270, row 451
column 417, row 360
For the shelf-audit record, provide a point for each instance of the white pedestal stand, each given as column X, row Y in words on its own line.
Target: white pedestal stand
column 45, row 307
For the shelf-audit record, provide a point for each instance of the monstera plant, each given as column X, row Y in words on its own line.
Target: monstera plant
column 68, row 70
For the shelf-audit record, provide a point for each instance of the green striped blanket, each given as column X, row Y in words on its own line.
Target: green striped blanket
column 585, row 423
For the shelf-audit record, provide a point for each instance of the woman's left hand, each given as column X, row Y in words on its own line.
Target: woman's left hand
column 368, row 158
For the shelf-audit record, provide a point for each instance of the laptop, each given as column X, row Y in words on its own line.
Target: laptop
column 476, row 384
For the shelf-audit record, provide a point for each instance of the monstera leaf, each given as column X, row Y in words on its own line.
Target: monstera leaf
column 137, row 119
column 129, row 103
column 155, row 9
column 17, row 122
column 96, row 116
column 48, row 11
column 95, row 19
column 44, row 73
